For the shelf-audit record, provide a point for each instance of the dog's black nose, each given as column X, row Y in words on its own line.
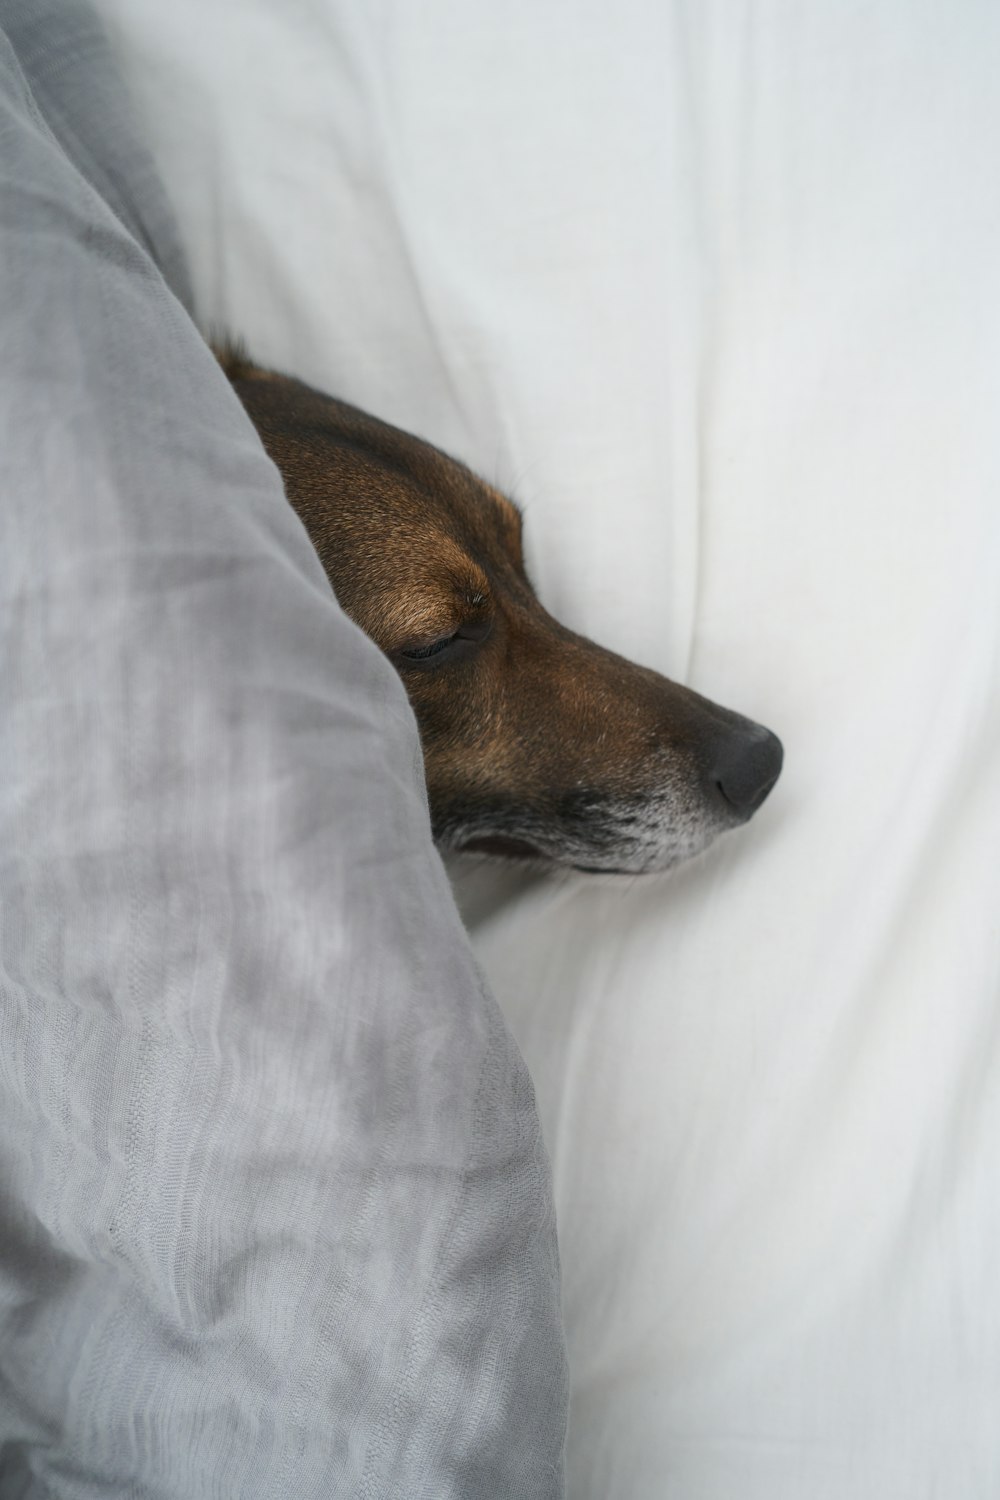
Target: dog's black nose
column 746, row 764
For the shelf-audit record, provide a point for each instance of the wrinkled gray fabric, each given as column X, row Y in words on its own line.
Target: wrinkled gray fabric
column 63, row 53
column 275, row 1215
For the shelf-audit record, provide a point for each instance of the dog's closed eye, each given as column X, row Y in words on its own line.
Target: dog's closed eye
column 423, row 653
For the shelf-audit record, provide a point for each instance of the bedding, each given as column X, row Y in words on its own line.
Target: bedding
column 712, row 289
column 275, row 1212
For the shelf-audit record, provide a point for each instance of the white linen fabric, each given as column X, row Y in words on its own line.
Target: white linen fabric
column 713, row 288
column 275, row 1213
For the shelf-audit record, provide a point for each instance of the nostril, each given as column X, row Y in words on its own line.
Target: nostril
column 747, row 765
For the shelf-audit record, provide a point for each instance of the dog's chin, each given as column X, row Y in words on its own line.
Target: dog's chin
column 608, row 856
column 632, row 866
column 501, row 846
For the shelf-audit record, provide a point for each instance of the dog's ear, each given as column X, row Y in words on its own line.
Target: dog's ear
column 234, row 357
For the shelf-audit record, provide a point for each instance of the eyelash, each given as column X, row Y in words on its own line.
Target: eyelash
column 421, row 653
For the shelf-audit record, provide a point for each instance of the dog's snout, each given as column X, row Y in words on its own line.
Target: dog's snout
column 745, row 766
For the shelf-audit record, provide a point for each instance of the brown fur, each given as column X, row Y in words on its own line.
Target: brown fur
column 535, row 740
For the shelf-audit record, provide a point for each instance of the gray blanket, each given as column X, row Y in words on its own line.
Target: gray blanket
column 275, row 1214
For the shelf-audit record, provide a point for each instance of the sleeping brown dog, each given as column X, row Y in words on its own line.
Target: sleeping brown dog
column 537, row 743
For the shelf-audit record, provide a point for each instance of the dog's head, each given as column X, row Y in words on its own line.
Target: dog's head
column 536, row 742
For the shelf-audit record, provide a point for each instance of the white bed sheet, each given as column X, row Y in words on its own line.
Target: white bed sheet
column 713, row 289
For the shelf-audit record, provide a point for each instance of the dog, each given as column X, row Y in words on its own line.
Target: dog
column 537, row 743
